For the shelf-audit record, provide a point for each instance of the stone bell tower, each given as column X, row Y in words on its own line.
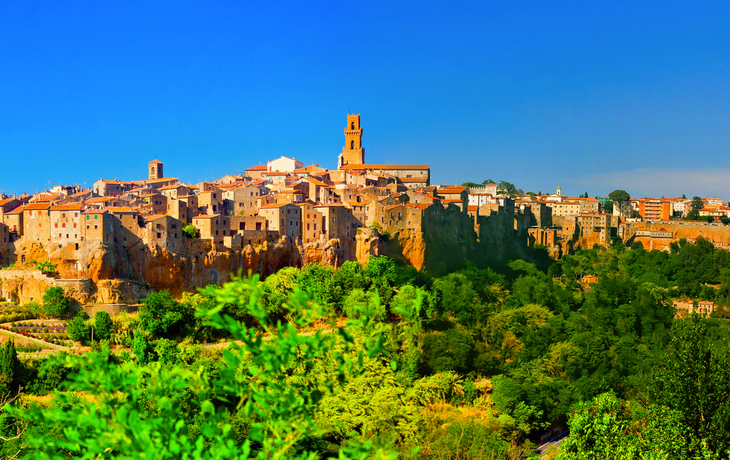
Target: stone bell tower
column 155, row 170
column 353, row 152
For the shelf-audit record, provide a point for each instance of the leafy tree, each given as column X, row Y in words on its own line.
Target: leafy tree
column 611, row 428
column 695, row 206
column 162, row 316
column 471, row 185
column 55, row 303
column 191, row 231
column 142, row 349
column 131, row 412
column 695, row 381
column 77, row 329
column 608, row 207
column 619, row 195
column 508, row 188
column 103, row 326
column 9, row 367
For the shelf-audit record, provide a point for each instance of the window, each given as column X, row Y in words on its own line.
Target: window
column 352, row 125
column 74, row 224
column 352, row 145
column 159, row 235
column 63, row 225
column 56, row 225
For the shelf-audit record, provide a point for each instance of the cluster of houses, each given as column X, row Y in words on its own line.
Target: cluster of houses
column 306, row 204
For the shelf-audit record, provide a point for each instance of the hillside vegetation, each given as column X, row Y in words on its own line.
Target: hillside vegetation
column 382, row 361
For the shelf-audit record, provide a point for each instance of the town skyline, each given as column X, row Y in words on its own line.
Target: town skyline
column 591, row 97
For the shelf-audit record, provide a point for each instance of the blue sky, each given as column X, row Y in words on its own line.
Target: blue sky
column 631, row 95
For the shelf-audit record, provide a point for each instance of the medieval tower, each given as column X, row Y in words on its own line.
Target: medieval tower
column 353, row 152
column 155, row 170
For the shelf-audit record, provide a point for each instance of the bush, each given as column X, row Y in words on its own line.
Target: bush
column 77, row 328
column 55, row 303
column 103, row 325
column 163, row 316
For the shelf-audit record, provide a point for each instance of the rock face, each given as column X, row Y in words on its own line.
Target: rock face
column 115, row 274
column 120, row 275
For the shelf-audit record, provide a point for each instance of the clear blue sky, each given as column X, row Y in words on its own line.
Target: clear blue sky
column 632, row 95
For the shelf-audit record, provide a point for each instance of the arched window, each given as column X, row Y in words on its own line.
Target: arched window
column 352, row 145
column 352, row 125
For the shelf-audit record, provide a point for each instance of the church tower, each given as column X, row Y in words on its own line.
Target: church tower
column 155, row 170
column 353, row 152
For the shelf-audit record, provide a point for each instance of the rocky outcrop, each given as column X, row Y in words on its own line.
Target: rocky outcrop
column 125, row 275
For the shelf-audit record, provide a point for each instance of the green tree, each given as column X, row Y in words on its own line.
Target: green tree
column 9, row 367
column 695, row 206
column 695, row 381
column 77, row 329
column 55, row 303
column 131, row 412
column 619, row 195
column 162, row 316
column 610, row 428
column 608, row 207
column 507, row 188
column 191, row 231
column 103, row 326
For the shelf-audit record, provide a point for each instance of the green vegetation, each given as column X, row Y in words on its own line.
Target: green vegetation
column 191, row 231
column 55, row 303
column 379, row 361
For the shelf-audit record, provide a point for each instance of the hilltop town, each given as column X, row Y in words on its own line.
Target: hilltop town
column 161, row 232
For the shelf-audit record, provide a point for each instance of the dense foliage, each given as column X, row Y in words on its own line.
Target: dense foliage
column 379, row 360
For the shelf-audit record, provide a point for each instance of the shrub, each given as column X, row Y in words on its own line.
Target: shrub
column 103, row 325
column 55, row 303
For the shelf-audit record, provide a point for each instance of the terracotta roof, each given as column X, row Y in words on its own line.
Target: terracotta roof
column 6, row 201
column 257, row 168
column 17, row 210
column 451, row 190
column 37, row 206
column 119, row 209
column 206, row 216
column 329, row 205
column 67, row 207
column 364, row 166
column 393, row 206
column 315, row 181
column 164, row 179
column 412, row 179
column 171, row 187
column 155, row 161
column 95, row 211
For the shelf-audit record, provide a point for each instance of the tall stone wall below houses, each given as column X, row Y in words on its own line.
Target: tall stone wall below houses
column 659, row 235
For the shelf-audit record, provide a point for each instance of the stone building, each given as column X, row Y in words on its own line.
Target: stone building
column 66, row 224
column 337, row 221
column 99, row 226
column 213, row 227
column 283, row 218
column 155, row 170
column 164, row 231
column 37, row 222
column 241, row 200
column 353, row 152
